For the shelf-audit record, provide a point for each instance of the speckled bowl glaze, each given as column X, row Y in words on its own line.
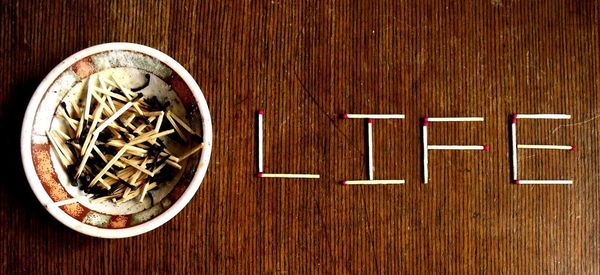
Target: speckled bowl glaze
column 47, row 177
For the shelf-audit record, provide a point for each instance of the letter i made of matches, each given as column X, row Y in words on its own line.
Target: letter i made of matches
column 260, row 141
column 427, row 147
column 370, row 120
column 515, row 146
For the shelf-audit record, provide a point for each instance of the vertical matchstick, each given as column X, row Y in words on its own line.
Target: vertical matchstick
column 370, row 146
column 425, row 152
column 260, row 140
column 514, row 145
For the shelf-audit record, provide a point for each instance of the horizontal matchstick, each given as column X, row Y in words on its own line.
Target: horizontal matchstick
column 543, row 181
column 542, row 116
column 458, row 147
column 288, row 176
column 547, row 147
column 369, row 182
column 374, row 116
column 452, row 119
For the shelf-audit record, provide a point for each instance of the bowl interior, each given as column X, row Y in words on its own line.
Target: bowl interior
column 48, row 178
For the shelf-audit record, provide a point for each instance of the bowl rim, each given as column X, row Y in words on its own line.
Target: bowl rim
column 26, row 138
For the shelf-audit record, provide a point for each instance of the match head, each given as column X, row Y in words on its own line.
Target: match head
column 573, row 147
column 486, row 148
column 344, row 183
column 371, row 121
column 517, row 182
column 514, row 118
column 344, row 116
column 261, row 112
column 259, row 174
column 425, row 121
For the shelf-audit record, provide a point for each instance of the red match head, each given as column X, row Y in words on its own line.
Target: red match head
column 261, row 112
column 573, row 147
column 514, row 118
column 517, row 182
column 425, row 121
column 486, row 148
column 259, row 175
column 343, row 183
column 344, row 116
column 371, row 121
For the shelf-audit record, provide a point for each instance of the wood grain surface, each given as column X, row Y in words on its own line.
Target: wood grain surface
column 305, row 62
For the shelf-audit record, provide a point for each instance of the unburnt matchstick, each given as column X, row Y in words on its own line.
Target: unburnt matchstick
column 288, row 176
column 453, row 119
column 69, row 201
column 260, row 140
column 547, row 147
column 373, row 116
column 370, row 147
column 427, row 147
column 114, row 146
column 425, row 151
column 261, row 173
column 537, row 182
column 459, row 147
column 372, row 182
column 515, row 146
column 542, row 116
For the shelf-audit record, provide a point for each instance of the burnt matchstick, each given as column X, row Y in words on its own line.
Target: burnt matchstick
column 372, row 182
column 373, row 116
column 260, row 140
column 116, row 151
column 541, row 182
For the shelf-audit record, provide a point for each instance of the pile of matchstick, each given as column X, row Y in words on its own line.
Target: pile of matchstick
column 114, row 144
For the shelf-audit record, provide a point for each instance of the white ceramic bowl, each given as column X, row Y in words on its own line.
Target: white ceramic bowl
column 47, row 177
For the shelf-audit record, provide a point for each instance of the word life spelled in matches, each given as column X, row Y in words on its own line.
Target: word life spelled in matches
column 260, row 141
column 515, row 146
column 427, row 147
column 370, row 119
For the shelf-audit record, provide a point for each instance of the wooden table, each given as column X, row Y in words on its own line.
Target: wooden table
column 305, row 63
